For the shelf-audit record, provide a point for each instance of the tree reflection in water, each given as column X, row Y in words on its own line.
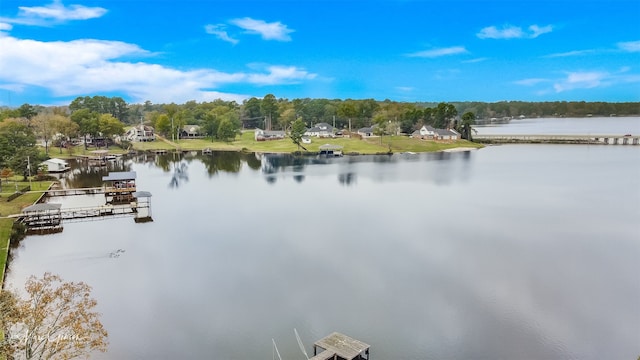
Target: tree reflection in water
column 180, row 175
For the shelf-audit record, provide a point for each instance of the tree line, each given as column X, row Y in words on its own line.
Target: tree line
column 105, row 117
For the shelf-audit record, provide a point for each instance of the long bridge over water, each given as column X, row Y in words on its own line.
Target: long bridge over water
column 594, row 139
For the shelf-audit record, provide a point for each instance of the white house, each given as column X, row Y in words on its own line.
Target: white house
column 320, row 130
column 447, row 134
column 190, row 131
column 55, row 165
column 366, row 131
column 427, row 132
column 430, row 133
column 140, row 133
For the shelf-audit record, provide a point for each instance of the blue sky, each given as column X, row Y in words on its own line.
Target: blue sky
column 176, row 51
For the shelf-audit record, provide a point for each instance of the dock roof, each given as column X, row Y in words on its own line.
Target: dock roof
column 42, row 207
column 342, row 345
column 121, row 175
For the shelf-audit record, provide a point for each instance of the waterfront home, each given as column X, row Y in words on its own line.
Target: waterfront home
column 447, row 134
column 55, row 165
column 140, row 133
column 427, row 132
column 366, row 131
column 320, row 130
column 263, row 135
column 190, row 132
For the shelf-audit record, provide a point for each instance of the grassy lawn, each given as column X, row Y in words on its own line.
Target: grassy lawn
column 79, row 150
column 14, row 207
column 350, row 145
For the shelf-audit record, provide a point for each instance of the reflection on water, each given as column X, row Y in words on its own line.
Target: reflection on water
column 509, row 252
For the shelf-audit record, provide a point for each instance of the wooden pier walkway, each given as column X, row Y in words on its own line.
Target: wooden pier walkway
column 77, row 191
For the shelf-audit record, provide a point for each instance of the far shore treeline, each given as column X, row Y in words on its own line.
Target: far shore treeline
column 101, row 117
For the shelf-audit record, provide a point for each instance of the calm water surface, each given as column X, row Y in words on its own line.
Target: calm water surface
column 509, row 252
column 565, row 126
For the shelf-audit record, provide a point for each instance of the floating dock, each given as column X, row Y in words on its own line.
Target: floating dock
column 338, row 346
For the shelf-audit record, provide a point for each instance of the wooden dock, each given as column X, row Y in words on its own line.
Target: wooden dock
column 340, row 346
column 77, row 191
column 45, row 218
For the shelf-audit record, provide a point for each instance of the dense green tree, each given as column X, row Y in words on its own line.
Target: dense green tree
column 110, row 126
column 116, row 106
column 349, row 110
column 443, row 114
column 17, row 146
column 227, row 131
column 210, row 125
column 252, row 108
column 297, row 130
column 87, row 121
column 41, row 125
column 465, row 129
column 269, row 109
column 171, row 110
column 64, row 126
column 163, row 124
column 27, row 111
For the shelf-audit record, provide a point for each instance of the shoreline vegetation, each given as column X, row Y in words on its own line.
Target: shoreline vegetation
column 245, row 142
column 14, row 206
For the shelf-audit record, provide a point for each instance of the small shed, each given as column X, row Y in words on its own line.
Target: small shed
column 340, row 347
column 56, row 165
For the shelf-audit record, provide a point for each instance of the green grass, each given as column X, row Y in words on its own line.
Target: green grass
column 350, row 145
column 79, row 150
column 14, row 207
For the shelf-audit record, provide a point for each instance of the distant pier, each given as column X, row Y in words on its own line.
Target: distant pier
column 558, row 139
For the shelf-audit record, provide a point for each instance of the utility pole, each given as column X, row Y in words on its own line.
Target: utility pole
column 29, row 170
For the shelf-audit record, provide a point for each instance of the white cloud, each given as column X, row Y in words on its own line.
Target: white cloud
column 493, row 32
column 268, row 31
column 570, row 53
column 88, row 66
column 477, row 60
column 513, row 32
column 5, row 26
column 405, row 88
column 531, row 81
column 581, row 80
column 58, row 11
column 55, row 12
column 630, row 46
column 220, row 32
column 439, row 52
column 280, row 75
column 536, row 30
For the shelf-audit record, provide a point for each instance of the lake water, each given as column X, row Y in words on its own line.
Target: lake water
column 508, row 252
column 565, row 126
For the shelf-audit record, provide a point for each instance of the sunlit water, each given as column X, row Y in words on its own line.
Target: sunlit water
column 508, row 252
